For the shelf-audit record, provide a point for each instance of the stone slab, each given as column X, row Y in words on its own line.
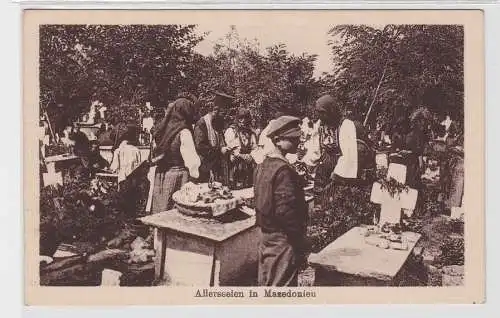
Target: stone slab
column 350, row 254
column 210, row 229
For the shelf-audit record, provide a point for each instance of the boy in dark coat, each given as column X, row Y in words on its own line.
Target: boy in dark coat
column 281, row 209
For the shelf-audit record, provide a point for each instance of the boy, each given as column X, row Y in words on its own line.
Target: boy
column 281, row 209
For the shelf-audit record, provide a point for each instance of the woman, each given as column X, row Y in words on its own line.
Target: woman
column 241, row 140
column 175, row 154
column 346, row 170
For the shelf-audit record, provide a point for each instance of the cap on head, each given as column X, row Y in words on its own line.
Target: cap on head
column 284, row 127
column 223, row 99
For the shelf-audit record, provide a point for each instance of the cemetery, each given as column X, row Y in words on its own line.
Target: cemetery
column 122, row 204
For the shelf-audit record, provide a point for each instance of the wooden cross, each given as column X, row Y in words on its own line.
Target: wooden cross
column 391, row 205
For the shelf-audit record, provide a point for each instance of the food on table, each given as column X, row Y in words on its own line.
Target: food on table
column 203, row 193
column 209, row 199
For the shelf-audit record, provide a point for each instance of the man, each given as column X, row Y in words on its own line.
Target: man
column 281, row 210
column 209, row 140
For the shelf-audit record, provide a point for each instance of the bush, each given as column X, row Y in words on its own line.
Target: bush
column 350, row 207
column 452, row 251
column 83, row 210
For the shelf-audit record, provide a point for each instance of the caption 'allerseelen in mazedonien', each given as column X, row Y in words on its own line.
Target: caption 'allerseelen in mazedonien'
column 252, row 293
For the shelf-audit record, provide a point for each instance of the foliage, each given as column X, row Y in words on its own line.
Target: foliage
column 414, row 65
column 264, row 82
column 54, row 149
column 88, row 210
column 452, row 251
column 350, row 207
column 122, row 66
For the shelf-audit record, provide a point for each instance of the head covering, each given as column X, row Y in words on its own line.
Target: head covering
column 328, row 105
column 284, row 126
column 179, row 115
column 245, row 115
column 223, row 99
column 124, row 132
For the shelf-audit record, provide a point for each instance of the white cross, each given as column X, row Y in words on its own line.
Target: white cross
column 52, row 177
column 391, row 205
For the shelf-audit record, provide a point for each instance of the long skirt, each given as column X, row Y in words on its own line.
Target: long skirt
column 165, row 184
column 278, row 262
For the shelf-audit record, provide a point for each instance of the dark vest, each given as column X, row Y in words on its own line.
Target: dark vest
column 173, row 157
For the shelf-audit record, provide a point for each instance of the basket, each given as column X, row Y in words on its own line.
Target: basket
column 202, row 209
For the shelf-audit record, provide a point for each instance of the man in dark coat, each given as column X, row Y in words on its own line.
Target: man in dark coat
column 281, row 209
column 209, row 140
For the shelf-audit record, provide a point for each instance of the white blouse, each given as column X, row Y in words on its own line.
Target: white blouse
column 347, row 165
column 189, row 155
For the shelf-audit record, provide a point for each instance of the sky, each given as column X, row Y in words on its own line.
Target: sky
column 299, row 37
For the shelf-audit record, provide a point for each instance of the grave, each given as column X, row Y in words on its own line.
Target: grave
column 196, row 251
column 392, row 204
column 107, row 153
column 352, row 261
column 54, row 163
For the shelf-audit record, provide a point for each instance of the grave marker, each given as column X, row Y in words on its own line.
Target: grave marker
column 391, row 205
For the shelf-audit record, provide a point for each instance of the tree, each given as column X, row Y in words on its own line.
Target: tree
column 121, row 65
column 413, row 66
column 263, row 82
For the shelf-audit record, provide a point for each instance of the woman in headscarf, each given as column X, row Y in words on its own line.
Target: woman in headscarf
column 175, row 154
column 347, row 163
column 241, row 140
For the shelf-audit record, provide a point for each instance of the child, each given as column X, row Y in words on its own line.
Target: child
column 281, row 210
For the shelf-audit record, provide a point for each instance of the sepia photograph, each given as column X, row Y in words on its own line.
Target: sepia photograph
column 257, row 153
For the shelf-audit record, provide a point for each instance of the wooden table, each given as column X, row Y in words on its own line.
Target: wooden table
column 193, row 251
column 350, row 261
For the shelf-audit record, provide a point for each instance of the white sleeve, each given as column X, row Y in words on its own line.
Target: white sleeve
column 347, row 165
column 232, row 140
column 189, row 155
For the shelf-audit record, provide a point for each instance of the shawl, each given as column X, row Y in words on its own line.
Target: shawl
column 179, row 115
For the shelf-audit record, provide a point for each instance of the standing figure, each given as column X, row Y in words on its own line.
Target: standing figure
column 126, row 156
column 347, row 164
column 281, row 209
column 241, row 140
column 210, row 143
column 175, row 154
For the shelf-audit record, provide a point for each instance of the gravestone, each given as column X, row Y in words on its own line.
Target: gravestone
column 391, row 205
column 110, row 277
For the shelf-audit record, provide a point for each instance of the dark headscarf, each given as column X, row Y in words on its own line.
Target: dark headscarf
column 244, row 115
column 179, row 115
column 123, row 132
column 328, row 104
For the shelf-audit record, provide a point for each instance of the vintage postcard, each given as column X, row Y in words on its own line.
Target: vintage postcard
column 253, row 157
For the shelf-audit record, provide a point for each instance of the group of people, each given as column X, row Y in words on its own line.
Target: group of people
column 203, row 149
